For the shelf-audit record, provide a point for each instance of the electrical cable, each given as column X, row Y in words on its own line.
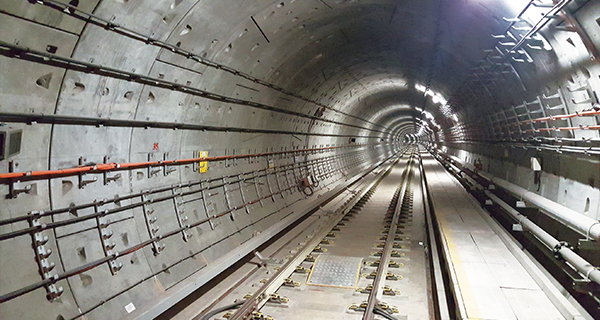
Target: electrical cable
column 383, row 313
column 221, row 309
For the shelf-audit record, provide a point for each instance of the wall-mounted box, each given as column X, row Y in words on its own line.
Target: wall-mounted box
column 10, row 143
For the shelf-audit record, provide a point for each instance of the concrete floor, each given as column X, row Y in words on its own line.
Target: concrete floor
column 492, row 283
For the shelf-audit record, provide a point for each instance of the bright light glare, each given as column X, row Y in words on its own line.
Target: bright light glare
column 420, row 87
column 428, row 115
column 441, row 99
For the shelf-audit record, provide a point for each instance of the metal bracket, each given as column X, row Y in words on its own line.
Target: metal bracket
column 83, row 182
column 12, row 191
column 179, row 212
column 166, row 169
column 587, row 245
column 585, row 286
column 241, row 186
column 41, row 257
column 205, row 206
column 151, row 225
column 151, row 170
column 227, row 203
column 106, row 178
column 105, row 235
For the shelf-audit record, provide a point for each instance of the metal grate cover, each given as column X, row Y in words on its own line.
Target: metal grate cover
column 335, row 271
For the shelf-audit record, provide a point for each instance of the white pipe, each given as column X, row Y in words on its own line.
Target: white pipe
column 571, row 218
column 585, row 268
column 580, row 264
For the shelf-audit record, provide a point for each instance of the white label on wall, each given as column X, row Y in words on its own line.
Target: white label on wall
column 130, row 307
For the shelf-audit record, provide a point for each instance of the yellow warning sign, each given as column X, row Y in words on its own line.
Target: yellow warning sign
column 203, row 165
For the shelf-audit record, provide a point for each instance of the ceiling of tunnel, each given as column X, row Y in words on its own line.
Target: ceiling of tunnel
column 359, row 57
column 318, row 47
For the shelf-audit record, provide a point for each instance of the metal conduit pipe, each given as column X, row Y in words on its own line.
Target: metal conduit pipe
column 580, row 264
column 571, row 218
column 112, row 166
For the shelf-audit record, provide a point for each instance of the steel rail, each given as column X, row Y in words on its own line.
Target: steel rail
column 27, row 54
column 261, row 295
column 74, row 12
column 439, row 299
column 376, row 292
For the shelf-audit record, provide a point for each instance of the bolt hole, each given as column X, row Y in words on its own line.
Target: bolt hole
column 78, row 88
column 175, row 4
column 51, row 48
column 134, row 259
column 44, row 81
column 66, row 186
column 587, row 205
column 186, row 30
column 86, row 280
column 81, row 253
column 125, row 238
column 151, row 97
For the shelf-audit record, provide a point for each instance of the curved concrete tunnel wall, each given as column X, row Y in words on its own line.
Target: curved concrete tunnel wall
column 350, row 71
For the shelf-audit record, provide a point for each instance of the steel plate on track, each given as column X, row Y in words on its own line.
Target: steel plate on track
column 335, row 271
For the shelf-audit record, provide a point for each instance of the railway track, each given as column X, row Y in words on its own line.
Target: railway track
column 363, row 255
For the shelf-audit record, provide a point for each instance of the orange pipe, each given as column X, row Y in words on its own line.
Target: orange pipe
column 564, row 129
column 103, row 167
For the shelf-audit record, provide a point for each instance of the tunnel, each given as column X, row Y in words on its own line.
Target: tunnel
column 299, row 159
